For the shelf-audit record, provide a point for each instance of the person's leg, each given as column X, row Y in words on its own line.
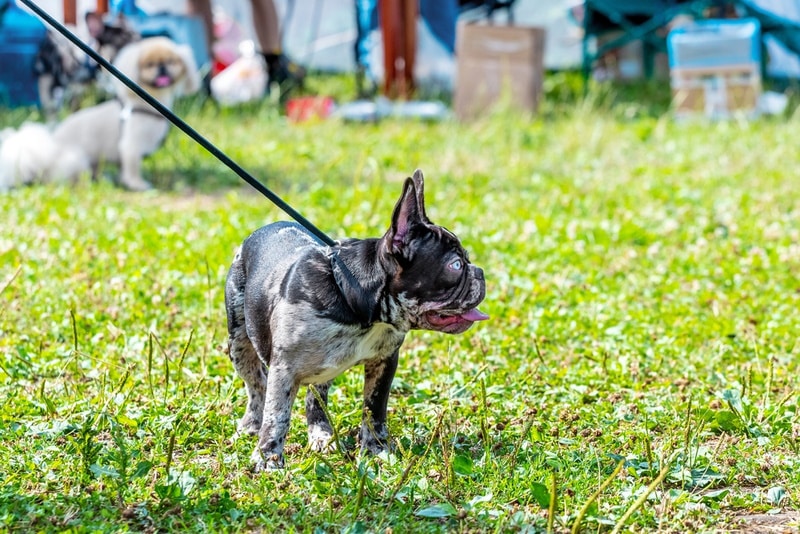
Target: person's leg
column 202, row 8
column 366, row 23
column 265, row 24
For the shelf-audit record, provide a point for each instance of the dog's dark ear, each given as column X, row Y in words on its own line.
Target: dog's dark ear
column 94, row 23
column 407, row 214
column 419, row 186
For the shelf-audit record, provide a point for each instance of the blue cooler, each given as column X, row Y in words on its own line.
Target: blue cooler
column 715, row 43
column 715, row 68
column 21, row 34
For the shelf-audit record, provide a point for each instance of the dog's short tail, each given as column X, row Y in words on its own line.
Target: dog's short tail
column 31, row 154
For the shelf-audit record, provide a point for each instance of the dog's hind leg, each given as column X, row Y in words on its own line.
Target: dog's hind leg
column 242, row 353
column 281, row 391
column 320, row 432
column 253, row 373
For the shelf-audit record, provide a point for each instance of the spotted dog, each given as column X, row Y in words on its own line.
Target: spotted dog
column 301, row 313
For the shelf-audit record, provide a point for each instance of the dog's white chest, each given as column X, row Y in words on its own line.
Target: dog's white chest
column 380, row 340
column 345, row 348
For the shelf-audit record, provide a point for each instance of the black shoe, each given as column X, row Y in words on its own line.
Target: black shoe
column 283, row 71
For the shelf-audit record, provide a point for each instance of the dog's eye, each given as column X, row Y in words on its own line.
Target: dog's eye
column 456, row 265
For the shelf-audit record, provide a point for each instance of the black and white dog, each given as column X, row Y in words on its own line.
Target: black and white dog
column 300, row 313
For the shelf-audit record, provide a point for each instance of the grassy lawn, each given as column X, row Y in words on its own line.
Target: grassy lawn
column 639, row 370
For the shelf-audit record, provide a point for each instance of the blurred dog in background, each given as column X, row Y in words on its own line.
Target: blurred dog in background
column 63, row 73
column 122, row 130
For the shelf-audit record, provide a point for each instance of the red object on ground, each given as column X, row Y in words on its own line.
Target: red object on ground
column 217, row 66
column 309, row 107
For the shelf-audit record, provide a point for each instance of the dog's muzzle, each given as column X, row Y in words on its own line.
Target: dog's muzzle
column 458, row 319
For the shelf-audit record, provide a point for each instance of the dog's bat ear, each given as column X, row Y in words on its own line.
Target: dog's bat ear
column 407, row 214
column 419, row 186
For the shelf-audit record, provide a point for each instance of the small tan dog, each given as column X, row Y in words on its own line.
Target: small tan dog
column 123, row 130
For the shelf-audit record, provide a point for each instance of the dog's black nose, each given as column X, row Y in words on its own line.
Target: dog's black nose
column 477, row 272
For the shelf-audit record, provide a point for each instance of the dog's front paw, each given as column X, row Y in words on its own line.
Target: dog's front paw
column 374, row 438
column 375, row 446
column 136, row 184
column 266, row 462
column 320, row 438
column 249, row 425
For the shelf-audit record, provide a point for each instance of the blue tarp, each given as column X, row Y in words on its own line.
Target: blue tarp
column 21, row 35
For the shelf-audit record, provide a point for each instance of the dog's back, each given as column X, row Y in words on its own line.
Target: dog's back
column 267, row 251
column 95, row 131
column 272, row 245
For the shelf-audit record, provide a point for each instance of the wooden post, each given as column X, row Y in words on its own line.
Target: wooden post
column 70, row 12
column 398, row 20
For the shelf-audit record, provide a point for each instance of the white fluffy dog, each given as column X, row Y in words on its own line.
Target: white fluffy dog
column 120, row 131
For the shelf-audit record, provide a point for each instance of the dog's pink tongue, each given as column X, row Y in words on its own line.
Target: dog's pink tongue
column 474, row 315
column 162, row 81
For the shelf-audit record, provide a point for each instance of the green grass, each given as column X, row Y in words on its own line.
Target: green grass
column 643, row 278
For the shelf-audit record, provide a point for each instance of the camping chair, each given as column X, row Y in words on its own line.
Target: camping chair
column 637, row 20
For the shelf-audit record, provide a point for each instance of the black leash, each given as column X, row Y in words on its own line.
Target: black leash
column 177, row 121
